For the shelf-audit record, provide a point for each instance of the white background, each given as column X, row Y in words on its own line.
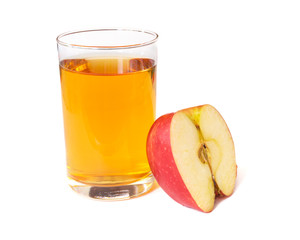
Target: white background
column 243, row 57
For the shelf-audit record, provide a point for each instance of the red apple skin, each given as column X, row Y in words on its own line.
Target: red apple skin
column 163, row 165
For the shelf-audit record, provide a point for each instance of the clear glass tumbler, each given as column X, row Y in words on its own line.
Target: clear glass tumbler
column 108, row 82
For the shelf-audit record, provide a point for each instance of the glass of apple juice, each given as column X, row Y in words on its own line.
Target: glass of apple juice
column 108, row 82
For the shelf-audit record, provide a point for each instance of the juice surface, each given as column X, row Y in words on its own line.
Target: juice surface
column 108, row 107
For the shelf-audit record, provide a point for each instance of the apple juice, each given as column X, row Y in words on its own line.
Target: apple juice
column 108, row 108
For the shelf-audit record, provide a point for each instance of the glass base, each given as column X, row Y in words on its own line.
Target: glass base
column 113, row 193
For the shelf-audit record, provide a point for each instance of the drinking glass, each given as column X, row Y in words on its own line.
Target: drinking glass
column 108, row 86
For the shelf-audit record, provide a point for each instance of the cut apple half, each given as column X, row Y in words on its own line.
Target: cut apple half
column 191, row 154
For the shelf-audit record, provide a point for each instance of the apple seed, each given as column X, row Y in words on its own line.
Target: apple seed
column 202, row 153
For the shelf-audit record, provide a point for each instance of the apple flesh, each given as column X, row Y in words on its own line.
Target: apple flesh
column 192, row 157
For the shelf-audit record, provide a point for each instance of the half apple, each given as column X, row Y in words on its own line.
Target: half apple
column 192, row 157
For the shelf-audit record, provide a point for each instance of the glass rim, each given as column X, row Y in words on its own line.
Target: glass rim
column 104, row 47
